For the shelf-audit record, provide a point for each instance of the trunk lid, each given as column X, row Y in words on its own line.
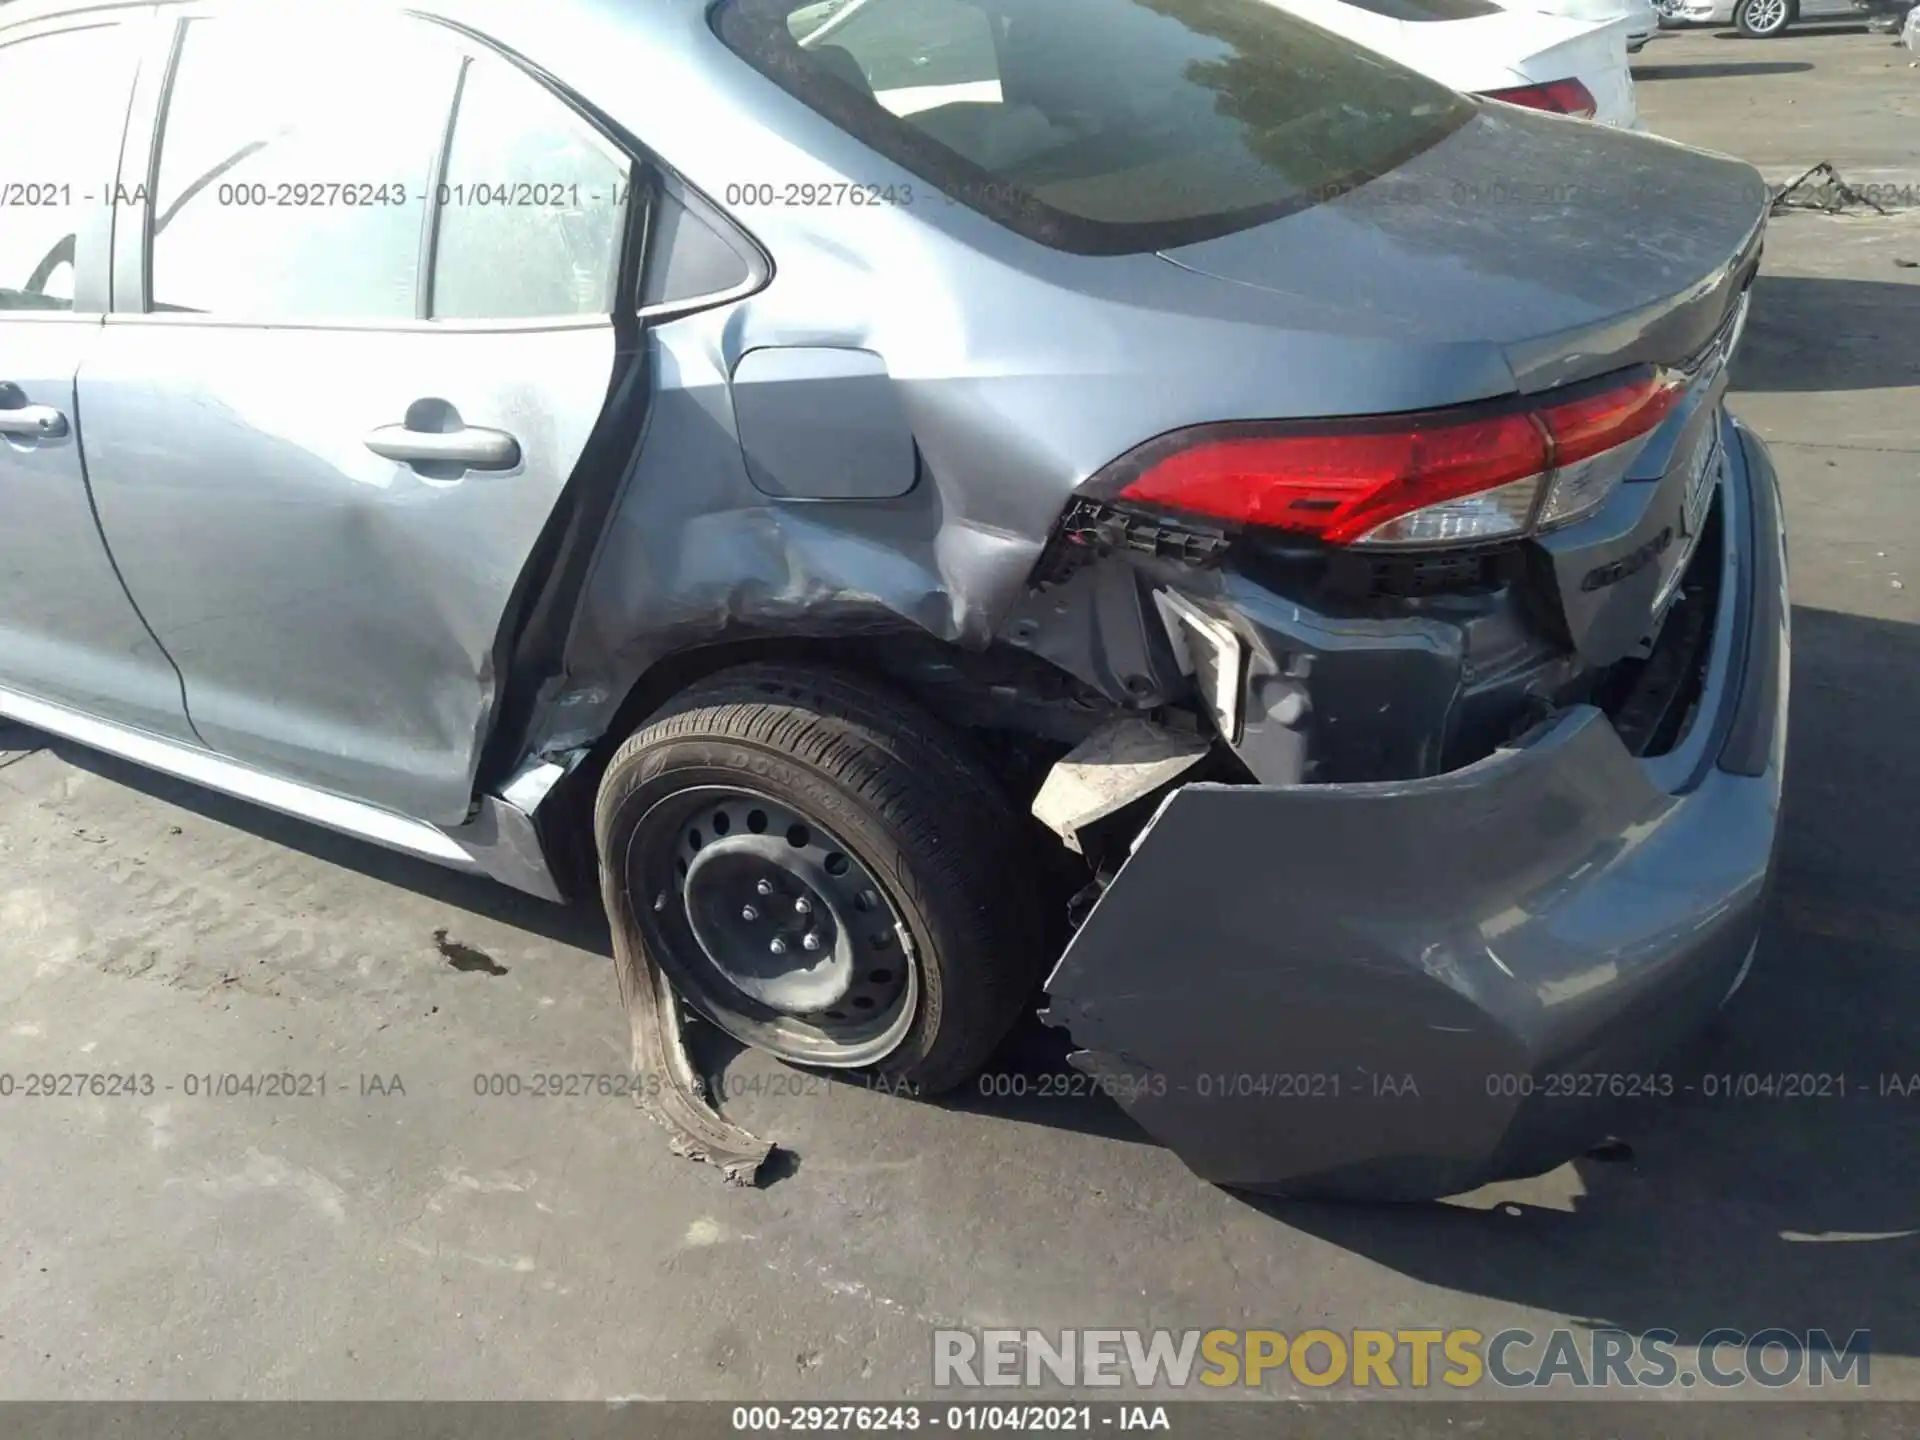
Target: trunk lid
column 1597, row 57
column 1575, row 248
column 1575, row 251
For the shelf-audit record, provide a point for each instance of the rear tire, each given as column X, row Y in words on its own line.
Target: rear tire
column 808, row 785
column 1764, row 19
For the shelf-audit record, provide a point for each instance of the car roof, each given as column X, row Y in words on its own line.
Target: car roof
column 637, row 13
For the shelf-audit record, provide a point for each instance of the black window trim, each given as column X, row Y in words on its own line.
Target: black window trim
column 429, row 260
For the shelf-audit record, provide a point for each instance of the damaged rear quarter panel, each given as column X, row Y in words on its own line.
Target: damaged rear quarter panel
column 1020, row 371
column 1008, row 414
column 695, row 552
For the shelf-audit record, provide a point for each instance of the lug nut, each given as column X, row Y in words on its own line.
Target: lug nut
column 765, row 887
column 747, row 912
column 810, row 941
column 779, row 946
column 802, row 906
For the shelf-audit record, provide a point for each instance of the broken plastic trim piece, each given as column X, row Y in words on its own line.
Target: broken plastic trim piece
column 1118, row 764
column 1208, row 650
column 666, row 1085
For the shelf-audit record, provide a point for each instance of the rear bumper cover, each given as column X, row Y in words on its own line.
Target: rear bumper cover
column 1402, row 990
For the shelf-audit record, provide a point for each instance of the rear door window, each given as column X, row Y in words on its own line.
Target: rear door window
column 62, row 101
column 294, row 170
column 532, row 205
column 1102, row 126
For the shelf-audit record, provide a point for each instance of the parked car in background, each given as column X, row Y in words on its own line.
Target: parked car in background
column 1890, row 17
column 1639, row 18
column 1145, row 501
column 1761, row 19
column 1522, row 56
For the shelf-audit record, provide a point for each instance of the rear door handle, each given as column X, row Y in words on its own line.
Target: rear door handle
column 473, row 447
column 33, row 422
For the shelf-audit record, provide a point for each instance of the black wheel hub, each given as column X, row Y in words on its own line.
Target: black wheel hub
column 766, row 917
column 769, row 924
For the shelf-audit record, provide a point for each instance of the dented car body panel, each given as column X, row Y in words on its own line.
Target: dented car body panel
column 1055, row 366
column 1021, row 370
column 1500, row 810
column 1405, row 989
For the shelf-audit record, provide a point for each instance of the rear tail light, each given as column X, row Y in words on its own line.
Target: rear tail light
column 1443, row 477
column 1561, row 97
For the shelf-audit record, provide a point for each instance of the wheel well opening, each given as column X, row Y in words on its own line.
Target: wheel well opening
column 1020, row 712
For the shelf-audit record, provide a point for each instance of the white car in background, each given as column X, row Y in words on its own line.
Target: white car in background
column 1546, row 62
column 1524, row 57
column 1640, row 18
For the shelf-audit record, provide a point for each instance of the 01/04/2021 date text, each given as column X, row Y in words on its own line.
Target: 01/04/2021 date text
column 324, row 194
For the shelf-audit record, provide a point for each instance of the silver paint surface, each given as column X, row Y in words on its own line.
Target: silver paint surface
column 67, row 630
column 1021, row 370
column 822, row 423
column 334, row 613
column 1017, row 370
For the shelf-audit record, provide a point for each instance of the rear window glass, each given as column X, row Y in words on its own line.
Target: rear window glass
column 1102, row 126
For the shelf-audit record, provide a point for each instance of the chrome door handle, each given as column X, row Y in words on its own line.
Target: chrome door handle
column 33, row 422
column 475, row 448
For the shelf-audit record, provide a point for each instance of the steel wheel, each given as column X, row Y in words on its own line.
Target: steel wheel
column 831, row 789
column 772, row 925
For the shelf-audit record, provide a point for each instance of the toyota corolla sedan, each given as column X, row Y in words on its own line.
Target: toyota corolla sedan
column 929, row 508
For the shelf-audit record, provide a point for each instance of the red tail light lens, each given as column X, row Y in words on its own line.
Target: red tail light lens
column 1584, row 427
column 1446, row 476
column 1561, row 97
column 1341, row 485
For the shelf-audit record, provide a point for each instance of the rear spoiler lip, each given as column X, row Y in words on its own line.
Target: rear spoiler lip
column 1675, row 331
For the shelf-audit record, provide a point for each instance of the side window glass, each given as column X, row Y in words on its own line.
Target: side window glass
column 533, row 203
column 62, row 103
column 294, row 171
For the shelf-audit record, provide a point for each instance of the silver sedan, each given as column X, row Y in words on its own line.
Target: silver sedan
column 926, row 508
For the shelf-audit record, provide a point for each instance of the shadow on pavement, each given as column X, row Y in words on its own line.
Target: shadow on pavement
column 1710, row 71
column 1869, row 335
column 581, row 925
column 1806, row 29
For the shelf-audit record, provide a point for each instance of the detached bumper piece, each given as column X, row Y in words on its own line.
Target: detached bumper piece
column 1402, row 990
